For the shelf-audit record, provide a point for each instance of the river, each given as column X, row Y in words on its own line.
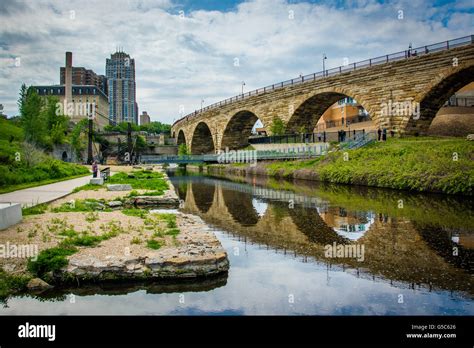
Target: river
column 412, row 254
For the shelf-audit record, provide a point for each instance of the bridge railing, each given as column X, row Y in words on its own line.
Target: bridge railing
column 402, row 55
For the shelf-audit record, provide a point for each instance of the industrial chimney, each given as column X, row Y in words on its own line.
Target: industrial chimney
column 68, row 79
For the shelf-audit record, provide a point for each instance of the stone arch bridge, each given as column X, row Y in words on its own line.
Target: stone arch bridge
column 425, row 77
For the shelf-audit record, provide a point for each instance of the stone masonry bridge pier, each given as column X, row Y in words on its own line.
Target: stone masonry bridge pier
column 424, row 77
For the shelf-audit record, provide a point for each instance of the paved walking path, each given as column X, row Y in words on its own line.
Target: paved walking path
column 45, row 193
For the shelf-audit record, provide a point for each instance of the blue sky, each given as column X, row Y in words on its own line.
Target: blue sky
column 184, row 58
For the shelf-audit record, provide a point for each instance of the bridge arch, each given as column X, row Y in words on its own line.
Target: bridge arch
column 238, row 130
column 434, row 97
column 240, row 207
column 203, row 195
column 181, row 138
column 307, row 114
column 202, row 141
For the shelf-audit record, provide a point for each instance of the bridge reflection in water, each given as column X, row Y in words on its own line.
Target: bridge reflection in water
column 426, row 244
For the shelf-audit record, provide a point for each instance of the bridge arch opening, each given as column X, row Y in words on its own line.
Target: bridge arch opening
column 330, row 112
column 203, row 195
column 239, row 129
column 181, row 138
column 447, row 108
column 202, row 142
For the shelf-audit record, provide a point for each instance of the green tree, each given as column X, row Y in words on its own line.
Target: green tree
column 32, row 117
column 183, row 150
column 278, row 126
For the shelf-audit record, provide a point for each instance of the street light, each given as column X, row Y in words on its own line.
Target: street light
column 202, row 101
column 324, row 68
column 243, row 84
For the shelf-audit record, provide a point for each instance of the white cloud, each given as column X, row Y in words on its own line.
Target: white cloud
column 181, row 61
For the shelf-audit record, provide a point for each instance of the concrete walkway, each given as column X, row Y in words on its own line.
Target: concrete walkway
column 43, row 194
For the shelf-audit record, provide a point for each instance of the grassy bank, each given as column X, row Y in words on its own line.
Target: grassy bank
column 426, row 164
column 22, row 165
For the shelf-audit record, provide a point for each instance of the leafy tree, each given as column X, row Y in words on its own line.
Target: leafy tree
column 32, row 117
column 278, row 126
column 183, row 150
column 78, row 141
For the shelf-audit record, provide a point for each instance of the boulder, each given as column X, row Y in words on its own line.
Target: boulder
column 96, row 181
column 37, row 284
column 119, row 187
column 470, row 137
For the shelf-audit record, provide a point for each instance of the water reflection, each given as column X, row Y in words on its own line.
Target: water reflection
column 275, row 233
column 410, row 244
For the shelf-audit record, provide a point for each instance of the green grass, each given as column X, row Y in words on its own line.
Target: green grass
column 169, row 218
column 172, row 232
column 87, row 187
column 154, row 244
column 35, row 210
column 141, row 213
column 416, row 164
column 141, row 180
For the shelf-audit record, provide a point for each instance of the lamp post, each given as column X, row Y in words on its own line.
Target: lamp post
column 243, row 84
column 202, row 101
column 324, row 68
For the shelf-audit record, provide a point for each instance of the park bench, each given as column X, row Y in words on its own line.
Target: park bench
column 105, row 173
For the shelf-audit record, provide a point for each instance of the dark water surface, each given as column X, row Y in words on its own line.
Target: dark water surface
column 415, row 255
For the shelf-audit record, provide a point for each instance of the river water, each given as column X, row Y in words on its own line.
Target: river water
column 411, row 254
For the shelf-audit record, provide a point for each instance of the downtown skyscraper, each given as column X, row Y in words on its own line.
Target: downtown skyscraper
column 120, row 72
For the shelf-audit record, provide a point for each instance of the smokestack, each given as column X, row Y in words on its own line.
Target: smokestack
column 68, row 78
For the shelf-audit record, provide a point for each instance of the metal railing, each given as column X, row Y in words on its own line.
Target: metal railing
column 307, row 137
column 402, row 55
column 460, row 101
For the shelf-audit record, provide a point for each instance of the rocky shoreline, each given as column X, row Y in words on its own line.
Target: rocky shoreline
column 129, row 243
column 199, row 254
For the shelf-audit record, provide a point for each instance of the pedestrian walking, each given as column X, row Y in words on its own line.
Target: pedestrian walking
column 379, row 133
column 384, row 134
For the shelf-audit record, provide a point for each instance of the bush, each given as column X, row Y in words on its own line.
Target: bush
column 50, row 260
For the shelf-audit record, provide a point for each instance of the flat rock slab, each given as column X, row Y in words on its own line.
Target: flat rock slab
column 198, row 253
column 162, row 201
column 97, row 181
column 119, row 187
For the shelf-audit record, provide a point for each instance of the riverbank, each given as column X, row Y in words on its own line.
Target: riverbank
column 96, row 234
column 425, row 164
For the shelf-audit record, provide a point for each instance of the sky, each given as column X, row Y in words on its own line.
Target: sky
column 191, row 51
